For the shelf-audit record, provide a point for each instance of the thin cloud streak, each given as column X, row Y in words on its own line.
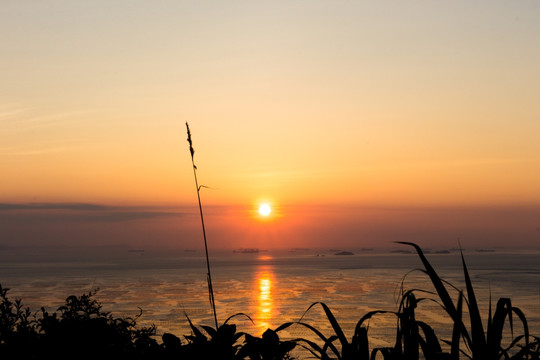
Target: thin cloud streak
column 22, row 119
column 91, row 224
column 82, row 212
column 53, row 150
column 9, row 110
column 52, row 206
column 7, row 114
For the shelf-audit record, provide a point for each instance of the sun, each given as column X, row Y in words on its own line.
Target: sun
column 265, row 210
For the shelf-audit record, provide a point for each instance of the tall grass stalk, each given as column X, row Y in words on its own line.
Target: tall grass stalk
column 198, row 187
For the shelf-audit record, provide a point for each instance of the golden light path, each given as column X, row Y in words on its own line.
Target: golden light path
column 263, row 317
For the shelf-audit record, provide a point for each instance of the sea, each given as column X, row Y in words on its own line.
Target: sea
column 257, row 290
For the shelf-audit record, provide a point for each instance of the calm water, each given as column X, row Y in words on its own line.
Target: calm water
column 272, row 288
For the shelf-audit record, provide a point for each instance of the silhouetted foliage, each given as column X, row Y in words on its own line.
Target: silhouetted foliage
column 18, row 333
column 77, row 330
column 267, row 347
column 416, row 339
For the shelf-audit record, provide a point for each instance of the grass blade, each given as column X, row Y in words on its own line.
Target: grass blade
column 439, row 287
column 456, row 336
column 495, row 332
column 523, row 319
column 369, row 315
column 430, row 346
column 198, row 334
column 323, row 338
column 436, row 280
column 335, row 325
column 478, row 345
column 360, row 344
column 284, row 326
column 409, row 326
column 238, row 314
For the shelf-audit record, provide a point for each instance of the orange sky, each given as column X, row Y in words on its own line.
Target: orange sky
column 336, row 113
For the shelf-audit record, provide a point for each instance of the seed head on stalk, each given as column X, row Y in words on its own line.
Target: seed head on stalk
column 190, row 144
column 209, row 276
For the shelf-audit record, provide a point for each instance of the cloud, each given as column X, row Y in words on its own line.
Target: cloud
column 8, row 114
column 94, row 224
column 55, row 119
column 53, row 206
column 23, row 124
column 36, row 151
column 83, row 212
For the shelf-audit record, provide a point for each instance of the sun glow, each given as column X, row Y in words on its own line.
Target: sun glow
column 265, row 210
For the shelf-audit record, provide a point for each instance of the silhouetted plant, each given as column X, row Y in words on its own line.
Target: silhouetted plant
column 267, row 347
column 221, row 343
column 198, row 187
column 172, row 346
column 80, row 328
column 406, row 346
column 416, row 339
column 480, row 344
column 18, row 335
column 357, row 348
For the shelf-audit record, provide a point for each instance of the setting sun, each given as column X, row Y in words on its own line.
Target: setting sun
column 265, row 209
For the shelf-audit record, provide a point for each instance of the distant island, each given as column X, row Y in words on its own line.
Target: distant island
column 247, row 250
column 344, row 253
column 401, row 252
column 442, row 252
column 294, row 250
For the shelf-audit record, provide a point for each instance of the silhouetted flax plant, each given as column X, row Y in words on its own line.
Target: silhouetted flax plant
column 198, row 187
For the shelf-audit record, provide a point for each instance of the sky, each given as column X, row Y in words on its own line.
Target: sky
column 361, row 123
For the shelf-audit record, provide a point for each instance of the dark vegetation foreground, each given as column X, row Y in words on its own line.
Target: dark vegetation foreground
column 80, row 329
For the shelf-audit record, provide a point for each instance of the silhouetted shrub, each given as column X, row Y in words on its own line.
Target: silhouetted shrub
column 221, row 343
column 77, row 330
column 18, row 335
column 267, row 347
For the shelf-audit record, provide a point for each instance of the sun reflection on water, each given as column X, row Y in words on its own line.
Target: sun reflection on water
column 265, row 300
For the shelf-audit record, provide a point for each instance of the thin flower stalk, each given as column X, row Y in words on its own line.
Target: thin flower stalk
column 209, row 275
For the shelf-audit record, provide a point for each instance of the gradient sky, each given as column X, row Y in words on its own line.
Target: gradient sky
column 361, row 122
